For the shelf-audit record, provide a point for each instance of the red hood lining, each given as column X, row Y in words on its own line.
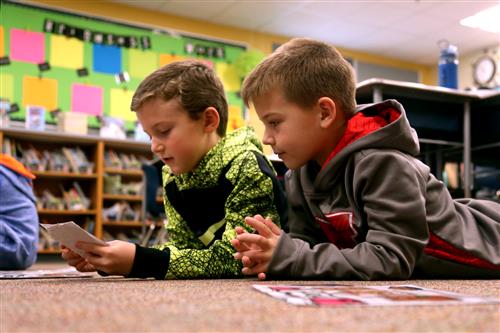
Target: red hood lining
column 361, row 125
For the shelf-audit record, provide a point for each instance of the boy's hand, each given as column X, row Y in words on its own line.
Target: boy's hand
column 255, row 250
column 74, row 259
column 115, row 259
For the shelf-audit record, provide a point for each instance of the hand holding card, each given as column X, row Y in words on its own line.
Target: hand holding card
column 68, row 233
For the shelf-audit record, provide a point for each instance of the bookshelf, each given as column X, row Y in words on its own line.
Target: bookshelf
column 92, row 180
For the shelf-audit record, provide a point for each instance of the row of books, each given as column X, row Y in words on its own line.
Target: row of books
column 71, row 199
column 113, row 185
column 121, row 211
column 155, row 234
column 60, row 159
column 123, row 161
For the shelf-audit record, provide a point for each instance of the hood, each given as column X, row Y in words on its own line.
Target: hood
column 13, row 164
column 17, row 180
column 395, row 134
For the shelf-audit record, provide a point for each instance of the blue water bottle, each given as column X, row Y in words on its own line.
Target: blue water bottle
column 448, row 65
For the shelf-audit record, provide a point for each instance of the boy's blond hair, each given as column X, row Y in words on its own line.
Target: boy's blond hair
column 305, row 70
column 194, row 84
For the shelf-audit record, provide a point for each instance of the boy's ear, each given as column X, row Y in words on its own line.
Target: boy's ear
column 211, row 119
column 328, row 111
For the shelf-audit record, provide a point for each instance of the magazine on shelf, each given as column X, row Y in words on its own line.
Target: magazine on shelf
column 35, row 117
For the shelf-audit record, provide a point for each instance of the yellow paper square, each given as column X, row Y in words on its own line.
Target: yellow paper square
column 7, row 86
column 168, row 58
column 66, row 52
column 141, row 63
column 2, row 40
column 120, row 100
column 40, row 92
column 229, row 76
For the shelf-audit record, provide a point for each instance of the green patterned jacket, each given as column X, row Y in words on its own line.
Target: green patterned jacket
column 232, row 181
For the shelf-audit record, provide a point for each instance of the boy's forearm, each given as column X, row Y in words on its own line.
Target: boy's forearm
column 150, row 262
column 215, row 262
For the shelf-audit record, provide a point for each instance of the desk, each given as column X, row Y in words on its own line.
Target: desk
column 441, row 116
column 116, row 304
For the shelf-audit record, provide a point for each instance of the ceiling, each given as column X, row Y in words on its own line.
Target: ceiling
column 401, row 29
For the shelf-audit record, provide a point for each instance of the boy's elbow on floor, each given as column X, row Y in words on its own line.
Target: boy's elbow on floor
column 22, row 258
column 400, row 271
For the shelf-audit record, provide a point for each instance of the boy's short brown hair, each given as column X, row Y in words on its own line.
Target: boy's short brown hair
column 305, row 70
column 193, row 83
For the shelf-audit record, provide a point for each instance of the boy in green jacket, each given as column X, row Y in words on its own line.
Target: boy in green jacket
column 362, row 206
column 211, row 180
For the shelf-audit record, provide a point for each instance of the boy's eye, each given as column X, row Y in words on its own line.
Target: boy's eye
column 274, row 123
column 164, row 132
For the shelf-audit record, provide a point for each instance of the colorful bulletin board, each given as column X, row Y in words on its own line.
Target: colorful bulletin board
column 74, row 44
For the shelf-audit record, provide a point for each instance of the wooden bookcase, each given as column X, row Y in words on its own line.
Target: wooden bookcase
column 91, row 183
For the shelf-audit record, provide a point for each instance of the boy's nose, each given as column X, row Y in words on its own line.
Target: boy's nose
column 156, row 146
column 267, row 139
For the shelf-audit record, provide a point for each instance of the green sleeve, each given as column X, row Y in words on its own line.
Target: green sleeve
column 252, row 194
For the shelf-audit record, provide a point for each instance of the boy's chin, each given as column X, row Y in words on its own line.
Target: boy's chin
column 292, row 165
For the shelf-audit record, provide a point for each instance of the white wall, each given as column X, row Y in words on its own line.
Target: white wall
column 466, row 62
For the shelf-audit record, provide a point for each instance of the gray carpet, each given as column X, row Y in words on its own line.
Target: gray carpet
column 124, row 305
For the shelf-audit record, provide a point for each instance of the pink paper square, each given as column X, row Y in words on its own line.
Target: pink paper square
column 86, row 99
column 27, row 46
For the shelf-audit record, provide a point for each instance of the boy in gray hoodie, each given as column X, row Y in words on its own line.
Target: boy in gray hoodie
column 361, row 205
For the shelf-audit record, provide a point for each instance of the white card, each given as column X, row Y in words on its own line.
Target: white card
column 68, row 233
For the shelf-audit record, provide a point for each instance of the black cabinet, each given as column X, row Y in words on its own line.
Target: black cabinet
column 461, row 127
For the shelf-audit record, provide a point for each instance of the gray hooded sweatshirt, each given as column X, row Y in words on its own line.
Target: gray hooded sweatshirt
column 374, row 211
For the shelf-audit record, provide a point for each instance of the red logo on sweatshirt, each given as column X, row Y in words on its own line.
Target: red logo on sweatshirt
column 339, row 228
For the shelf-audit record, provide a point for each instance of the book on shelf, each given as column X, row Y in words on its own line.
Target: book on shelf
column 130, row 161
column 35, row 117
column 33, row 159
column 50, row 201
column 113, row 185
column 89, row 225
column 46, row 242
column 72, row 199
column 85, row 200
column 123, row 161
column 111, row 160
column 121, row 211
column 132, row 235
column 60, row 160
column 132, row 188
column 56, row 161
column 7, row 147
column 77, row 160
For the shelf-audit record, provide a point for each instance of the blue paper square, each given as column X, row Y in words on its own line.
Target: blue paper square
column 107, row 59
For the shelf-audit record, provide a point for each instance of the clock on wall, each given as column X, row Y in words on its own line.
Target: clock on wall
column 484, row 71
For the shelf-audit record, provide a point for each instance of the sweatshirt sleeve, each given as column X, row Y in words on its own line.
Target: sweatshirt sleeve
column 18, row 221
column 252, row 194
column 390, row 193
column 149, row 262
